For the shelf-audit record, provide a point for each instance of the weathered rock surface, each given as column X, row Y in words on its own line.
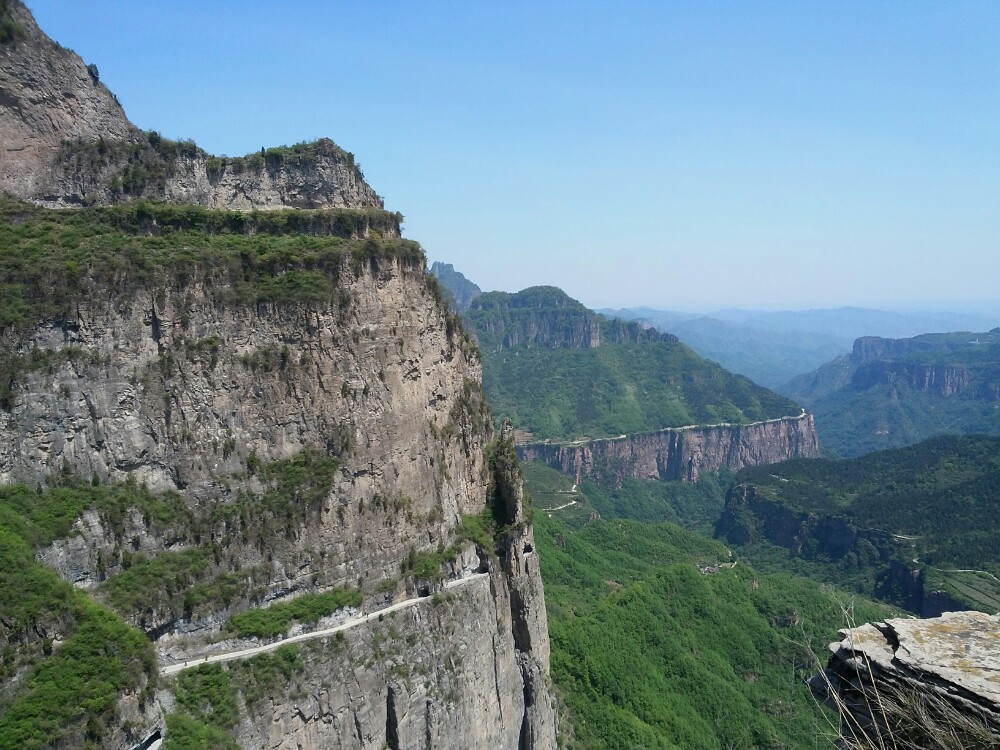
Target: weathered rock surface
column 914, row 675
column 47, row 95
column 66, row 141
column 172, row 383
column 682, row 452
column 173, row 390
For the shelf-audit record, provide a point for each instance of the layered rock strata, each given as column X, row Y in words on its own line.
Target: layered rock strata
column 681, row 452
column 172, row 389
column 917, row 683
column 302, row 441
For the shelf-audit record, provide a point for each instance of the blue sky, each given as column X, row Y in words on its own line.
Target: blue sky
column 688, row 155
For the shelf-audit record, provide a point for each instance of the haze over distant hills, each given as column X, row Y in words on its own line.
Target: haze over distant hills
column 772, row 347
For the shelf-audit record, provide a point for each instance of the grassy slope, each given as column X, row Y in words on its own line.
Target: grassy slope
column 49, row 259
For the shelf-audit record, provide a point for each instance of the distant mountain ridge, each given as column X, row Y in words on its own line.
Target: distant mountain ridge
column 563, row 372
column 459, row 290
column 892, row 392
column 773, row 347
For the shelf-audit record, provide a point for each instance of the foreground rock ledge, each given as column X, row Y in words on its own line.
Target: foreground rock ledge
column 935, row 682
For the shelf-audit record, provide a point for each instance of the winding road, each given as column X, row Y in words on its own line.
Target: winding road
column 246, row 653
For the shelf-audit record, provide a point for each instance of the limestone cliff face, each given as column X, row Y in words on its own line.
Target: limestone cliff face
column 939, row 380
column 430, row 676
column 173, row 390
column 177, row 389
column 66, row 141
column 683, row 452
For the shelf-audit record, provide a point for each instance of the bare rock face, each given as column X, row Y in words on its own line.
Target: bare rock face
column 683, row 452
column 918, row 683
column 368, row 398
column 47, row 96
column 67, row 142
column 178, row 390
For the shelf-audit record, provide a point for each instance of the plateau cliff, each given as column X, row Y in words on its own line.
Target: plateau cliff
column 253, row 442
column 679, row 452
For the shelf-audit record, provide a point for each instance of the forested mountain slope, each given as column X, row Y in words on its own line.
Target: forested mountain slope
column 563, row 372
column 893, row 392
column 911, row 525
column 659, row 641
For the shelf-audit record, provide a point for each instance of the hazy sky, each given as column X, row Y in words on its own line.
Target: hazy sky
column 683, row 155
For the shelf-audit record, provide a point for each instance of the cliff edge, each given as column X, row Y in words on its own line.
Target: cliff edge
column 255, row 445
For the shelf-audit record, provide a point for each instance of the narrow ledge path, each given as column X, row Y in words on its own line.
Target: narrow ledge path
column 246, row 653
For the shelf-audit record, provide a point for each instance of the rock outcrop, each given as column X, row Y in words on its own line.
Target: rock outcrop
column 918, row 683
column 682, row 452
column 67, row 142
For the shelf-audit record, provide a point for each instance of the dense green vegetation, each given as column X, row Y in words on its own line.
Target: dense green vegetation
column 561, row 371
column 72, row 686
column 854, row 422
column 934, row 502
column 620, row 388
column 179, row 582
column 894, row 392
column 207, row 698
column 306, row 609
column 692, row 505
column 50, row 259
column 648, row 652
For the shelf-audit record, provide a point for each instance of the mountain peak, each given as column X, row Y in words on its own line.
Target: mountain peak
column 67, row 142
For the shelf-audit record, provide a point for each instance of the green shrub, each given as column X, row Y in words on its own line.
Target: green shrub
column 49, row 260
column 276, row 619
column 187, row 733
